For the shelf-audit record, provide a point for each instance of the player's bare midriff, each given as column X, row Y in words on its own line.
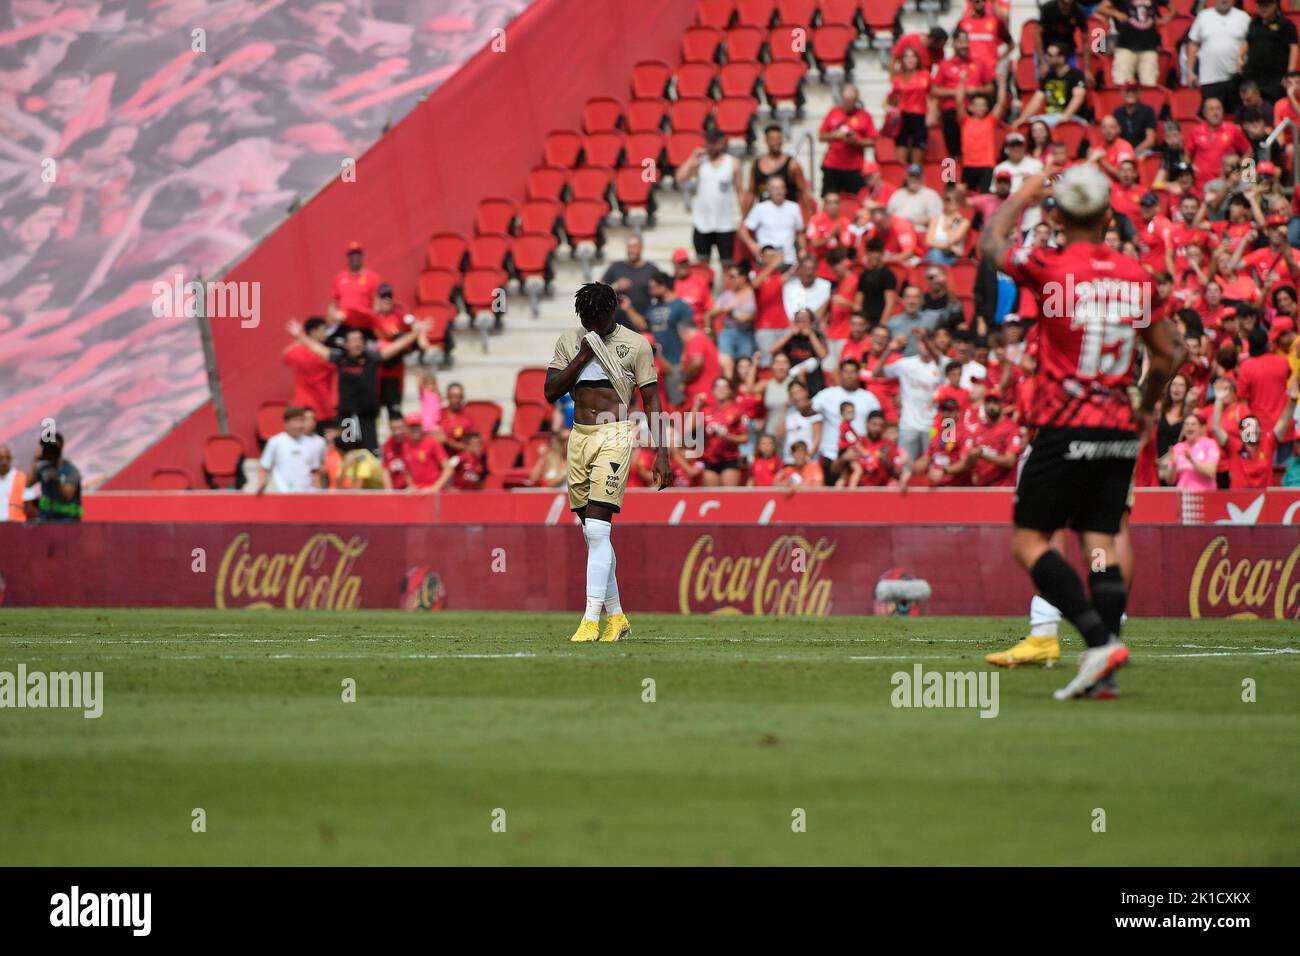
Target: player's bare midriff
column 596, row 404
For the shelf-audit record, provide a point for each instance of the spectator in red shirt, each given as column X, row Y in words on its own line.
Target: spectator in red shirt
column 872, row 461
column 393, row 451
column 849, row 129
column 928, row 47
column 691, row 287
column 1262, row 380
column 315, row 380
column 1113, row 148
column 987, row 32
column 354, row 287
column 700, row 365
column 827, row 231
column 1209, row 141
column 910, row 93
column 762, row 473
column 1276, row 261
column 726, row 428
column 960, row 70
column 1251, row 451
column 454, row 424
column 875, row 191
column 466, row 469
column 993, row 445
column 428, row 467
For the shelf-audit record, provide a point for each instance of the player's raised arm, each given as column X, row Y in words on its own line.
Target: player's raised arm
column 996, row 239
column 560, row 381
column 1162, row 355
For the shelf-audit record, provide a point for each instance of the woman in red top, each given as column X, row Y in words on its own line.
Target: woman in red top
column 911, row 94
column 762, row 473
column 725, row 429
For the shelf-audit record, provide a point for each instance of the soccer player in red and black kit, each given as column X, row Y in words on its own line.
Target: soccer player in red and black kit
column 1094, row 305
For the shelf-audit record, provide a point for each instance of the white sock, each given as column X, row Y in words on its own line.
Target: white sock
column 1043, row 617
column 600, row 562
column 612, row 604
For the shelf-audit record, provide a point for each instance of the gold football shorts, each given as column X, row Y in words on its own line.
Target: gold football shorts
column 600, row 457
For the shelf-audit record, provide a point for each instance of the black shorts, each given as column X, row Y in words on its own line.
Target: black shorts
column 1076, row 478
column 720, row 466
column 706, row 242
column 911, row 132
column 977, row 178
column 846, row 182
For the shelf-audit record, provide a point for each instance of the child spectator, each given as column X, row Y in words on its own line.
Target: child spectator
column 763, row 471
column 802, row 472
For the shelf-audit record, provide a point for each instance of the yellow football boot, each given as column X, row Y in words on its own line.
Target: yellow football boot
column 588, row 630
column 1032, row 650
column 616, row 628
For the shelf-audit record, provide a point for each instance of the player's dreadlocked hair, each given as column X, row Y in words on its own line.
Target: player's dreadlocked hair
column 595, row 302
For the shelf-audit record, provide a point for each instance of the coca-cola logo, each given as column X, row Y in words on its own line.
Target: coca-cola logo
column 317, row 576
column 786, row 579
column 1222, row 586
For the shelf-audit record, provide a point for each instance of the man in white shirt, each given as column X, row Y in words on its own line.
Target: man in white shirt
column 916, row 202
column 1213, row 45
column 777, row 222
column 918, row 376
column 827, row 403
column 806, row 290
column 1018, row 162
column 289, row 458
column 963, row 347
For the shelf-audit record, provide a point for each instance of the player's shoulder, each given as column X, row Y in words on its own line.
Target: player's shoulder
column 622, row 335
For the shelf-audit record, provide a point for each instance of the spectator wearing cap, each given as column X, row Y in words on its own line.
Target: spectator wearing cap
column 850, row 130
column 425, row 462
column 1214, row 47
column 1062, row 94
column 1137, row 121
column 691, row 287
column 290, row 462
column 1270, row 189
column 1018, row 163
column 315, row 379
column 630, row 278
column 1275, row 262
column 354, row 287
column 776, row 221
column 1112, row 150
column 1210, row 140
column 1137, row 45
column 986, row 204
column 916, row 202
column 1154, row 233
column 715, row 200
column 960, row 71
column 875, row 190
column 1271, row 48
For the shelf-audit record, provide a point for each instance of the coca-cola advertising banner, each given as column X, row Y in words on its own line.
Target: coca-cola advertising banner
column 806, row 570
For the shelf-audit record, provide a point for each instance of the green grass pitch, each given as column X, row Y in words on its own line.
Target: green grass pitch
column 459, row 714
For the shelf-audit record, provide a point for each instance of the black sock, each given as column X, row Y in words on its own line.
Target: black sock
column 1060, row 584
column 1109, row 596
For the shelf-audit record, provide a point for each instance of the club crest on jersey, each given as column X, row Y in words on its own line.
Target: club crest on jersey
column 622, row 350
column 1116, row 300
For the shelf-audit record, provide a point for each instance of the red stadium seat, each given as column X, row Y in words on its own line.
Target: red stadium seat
column 783, row 82
column 1173, row 33
column 489, row 251
column 1184, row 105
column 1026, row 77
column 170, row 479
column 547, row 182
column 529, row 386
column 715, row 13
column 270, row 420
column 440, row 314
column 700, row 45
column 486, row 416
column 886, row 152
column 536, row 445
column 831, row 44
column 936, row 150
column 1107, row 100
column 961, row 277
column 934, row 173
column 680, row 146
column 796, row 12
column 846, row 12
column 893, row 173
column 437, row 285
column 538, row 217
column 503, row 452
column 787, row 42
column 221, row 457
column 1148, row 166
column 633, row 189
column 532, row 255
column 755, row 13
column 601, row 114
column 562, row 147
column 650, row 79
column 447, row 251
column 744, row 43
column 880, row 15
column 529, row 419
column 591, row 182
column 602, row 149
column 734, row 116
column 1071, row 134
column 691, row 115
column 494, row 215
column 643, row 146
column 584, row 219
column 740, row 79
column 646, row 116
column 696, row 81
column 1028, row 37
column 484, row 290
column 1184, row 8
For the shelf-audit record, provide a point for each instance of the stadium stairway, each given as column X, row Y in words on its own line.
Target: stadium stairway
column 528, row 341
